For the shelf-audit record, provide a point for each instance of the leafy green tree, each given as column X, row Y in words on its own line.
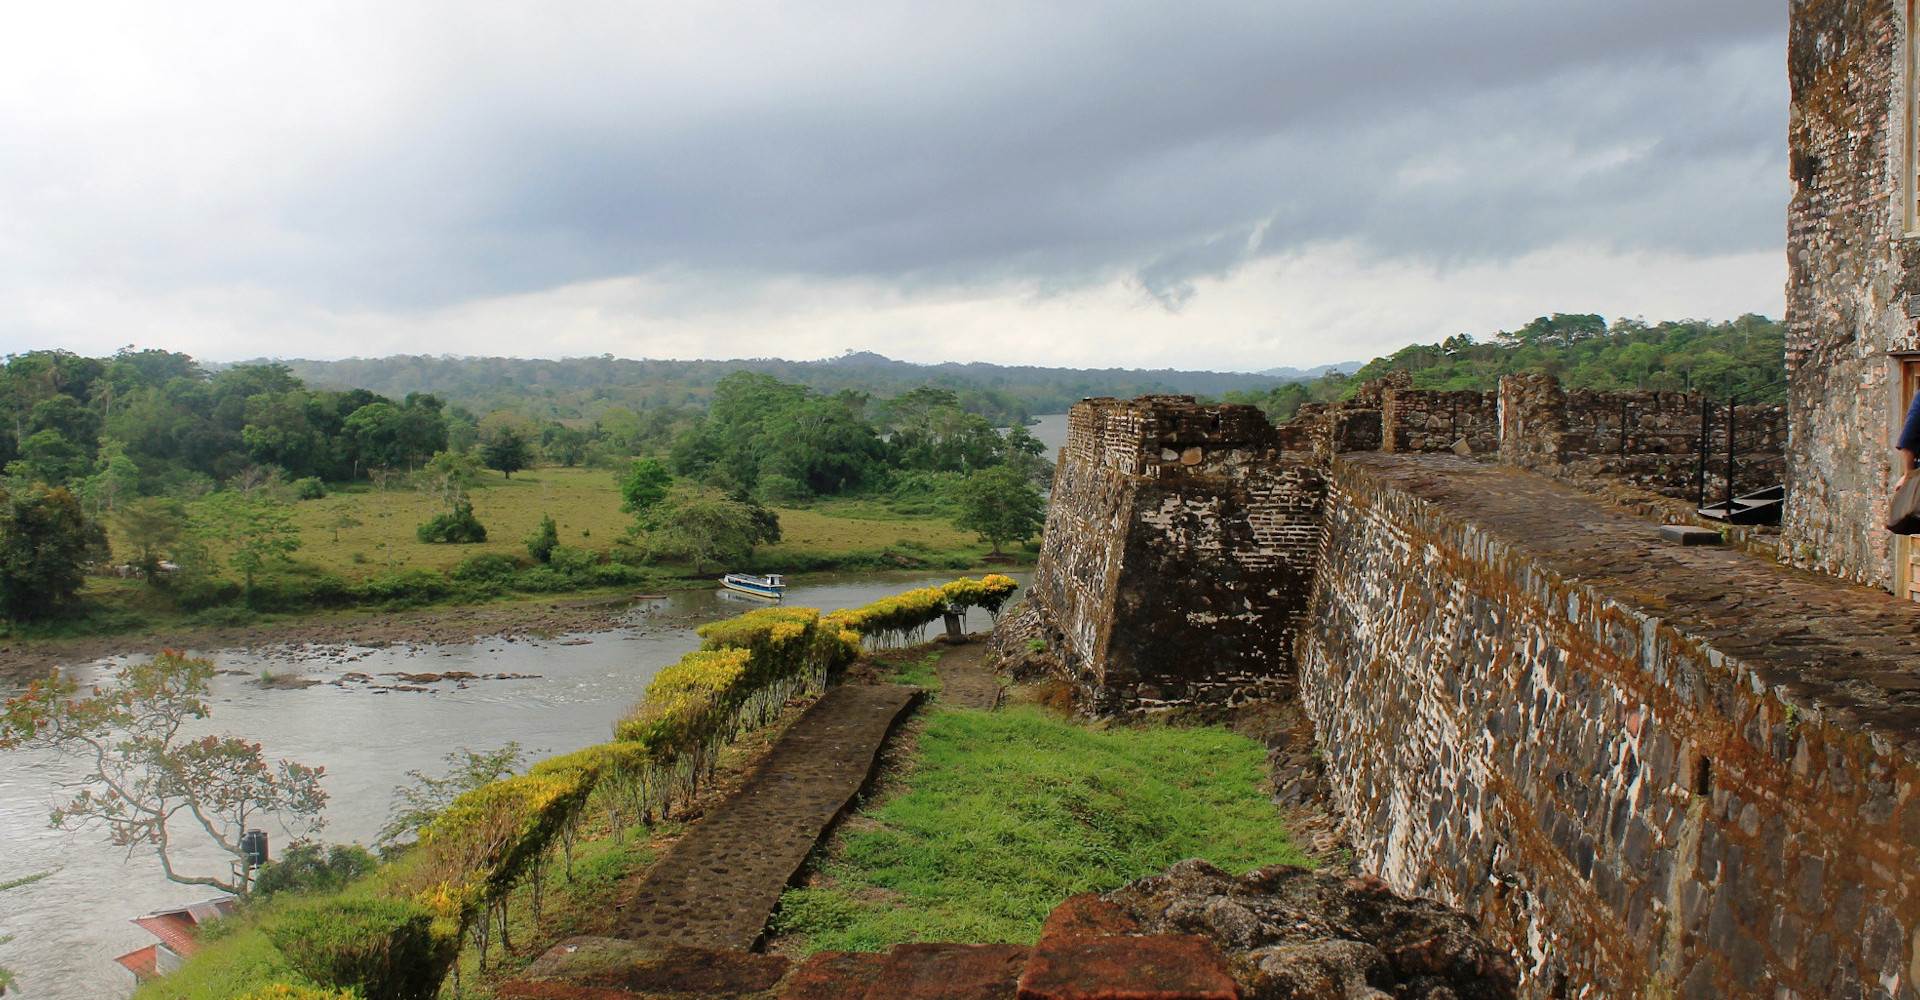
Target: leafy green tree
column 45, row 542
column 566, row 445
column 48, row 457
column 255, row 529
column 1001, row 505
column 154, row 527
column 376, row 430
column 451, row 474
column 544, row 540
column 507, row 451
column 644, row 485
column 116, row 477
column 704, row 526
column 146, row 780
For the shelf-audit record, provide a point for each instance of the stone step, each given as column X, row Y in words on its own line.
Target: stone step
column 596, row 968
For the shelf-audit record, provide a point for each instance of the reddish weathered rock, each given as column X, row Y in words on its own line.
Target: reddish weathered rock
column 1290, row 933
column 835, row 975
column 1127, row 967
column 950, row 972
column 1088, row 915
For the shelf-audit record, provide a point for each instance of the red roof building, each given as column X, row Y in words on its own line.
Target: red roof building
column 178, row 931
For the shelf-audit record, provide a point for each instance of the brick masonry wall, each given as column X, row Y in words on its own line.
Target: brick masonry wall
column 1179, row 550
column 1631, row 810
column 1853, row 285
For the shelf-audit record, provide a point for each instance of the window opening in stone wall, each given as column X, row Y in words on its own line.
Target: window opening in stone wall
column 1702, row 783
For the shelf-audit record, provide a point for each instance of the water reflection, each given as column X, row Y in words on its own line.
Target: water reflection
column 368, row 734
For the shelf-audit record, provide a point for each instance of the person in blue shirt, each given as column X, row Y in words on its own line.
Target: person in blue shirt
column 1909, row 443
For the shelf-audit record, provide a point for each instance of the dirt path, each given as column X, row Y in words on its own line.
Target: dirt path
column 965, row 681
column 717, row 885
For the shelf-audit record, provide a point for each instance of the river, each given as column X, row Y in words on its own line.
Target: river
column 69, row 927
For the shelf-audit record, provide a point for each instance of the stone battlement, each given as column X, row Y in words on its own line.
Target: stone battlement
column 1648, row 771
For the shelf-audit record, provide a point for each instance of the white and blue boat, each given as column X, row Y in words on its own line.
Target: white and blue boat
column 768, row 586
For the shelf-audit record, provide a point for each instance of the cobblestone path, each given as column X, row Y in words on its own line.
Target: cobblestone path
column 716, row 886
column 1849, row 648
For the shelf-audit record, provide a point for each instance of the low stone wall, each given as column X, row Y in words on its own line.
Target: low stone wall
column 1414, row 420
column 1627, row 807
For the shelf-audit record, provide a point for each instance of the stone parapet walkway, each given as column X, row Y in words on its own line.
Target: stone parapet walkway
column 1846, row 649
column 716, row 886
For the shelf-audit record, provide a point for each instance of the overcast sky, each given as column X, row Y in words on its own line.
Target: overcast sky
column 1196, row 184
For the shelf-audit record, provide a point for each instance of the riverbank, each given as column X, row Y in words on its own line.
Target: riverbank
column 23, row 660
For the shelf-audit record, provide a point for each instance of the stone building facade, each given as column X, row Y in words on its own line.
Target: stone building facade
column 1853, row 291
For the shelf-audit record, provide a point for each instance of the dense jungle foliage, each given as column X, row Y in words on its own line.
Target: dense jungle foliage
column 1745, row 357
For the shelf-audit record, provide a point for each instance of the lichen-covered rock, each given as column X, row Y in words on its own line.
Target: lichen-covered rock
column 1292, row 933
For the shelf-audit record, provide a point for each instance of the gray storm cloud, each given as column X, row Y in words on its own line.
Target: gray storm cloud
column 372, row 160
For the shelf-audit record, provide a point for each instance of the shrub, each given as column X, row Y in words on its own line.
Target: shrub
column 544, row 540
column 572, row 563
column 310, row 866
column 282, row 991
column 457, row 527
column 385, row 947
column 485, row 567
column 309, row 488
column 405, row 587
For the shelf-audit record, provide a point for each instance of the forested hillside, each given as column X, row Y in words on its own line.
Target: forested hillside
column 1745, row 356
column 585, row 388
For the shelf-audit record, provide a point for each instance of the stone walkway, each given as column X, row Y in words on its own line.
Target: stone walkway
column 965, row 681
column 716, row 886
column 1844, row 647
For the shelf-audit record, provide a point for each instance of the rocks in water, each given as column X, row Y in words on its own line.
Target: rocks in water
column 1292, row 934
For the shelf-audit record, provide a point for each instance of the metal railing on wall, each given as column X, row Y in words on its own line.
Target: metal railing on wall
column 1739, row 454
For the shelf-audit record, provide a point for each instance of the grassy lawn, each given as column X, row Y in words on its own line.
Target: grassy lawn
column 585, row 503
column 1004, row 814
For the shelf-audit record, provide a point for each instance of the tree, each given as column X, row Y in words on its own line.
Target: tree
column 507, row 451
column 154, row 526
column 417, row 804
column 705, row 526
column 340, row 518
column 45, row 541
column 451, row 474
column 544, row 540
column 255, row 528
column 1001, row 505
column 147, row 782
column 644, row 485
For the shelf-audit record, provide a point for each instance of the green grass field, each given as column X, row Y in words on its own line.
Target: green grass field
column 1007, row 813
column 586, row 505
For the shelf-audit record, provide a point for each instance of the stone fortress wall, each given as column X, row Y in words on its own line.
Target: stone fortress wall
column 1622, row 802
column 1179, row 550
column 1853, row 285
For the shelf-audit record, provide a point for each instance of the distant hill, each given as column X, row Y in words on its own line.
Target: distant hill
column 1306, row 374
column 583, row 387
